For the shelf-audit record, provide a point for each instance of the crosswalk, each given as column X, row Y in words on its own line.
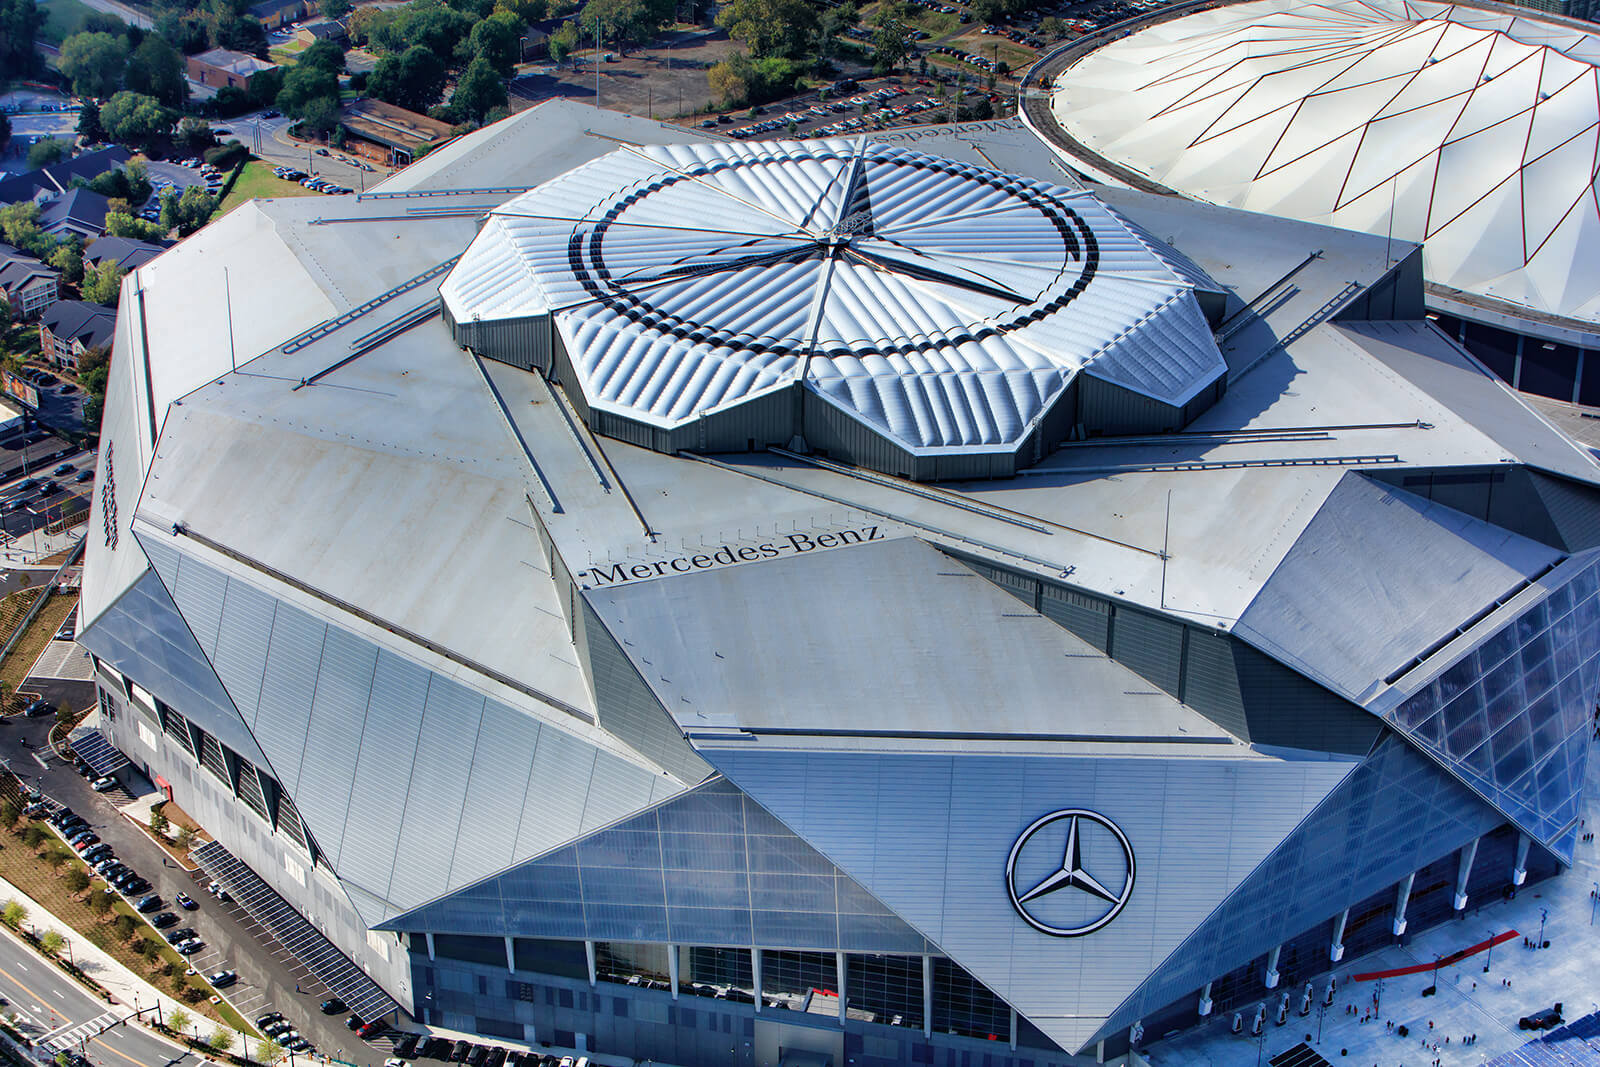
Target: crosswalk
column 66, row 1037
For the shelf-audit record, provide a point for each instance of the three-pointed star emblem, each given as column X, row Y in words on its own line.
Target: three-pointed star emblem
column 1071, row 873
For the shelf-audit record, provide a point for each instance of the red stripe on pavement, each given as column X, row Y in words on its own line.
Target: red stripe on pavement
column 1444, row 961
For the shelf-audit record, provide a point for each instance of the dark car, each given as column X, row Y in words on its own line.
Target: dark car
column 270, row 113
column 151, row 903
column 134, row 885
column 434, row 1048
column 477, row 1056
column 83, row 476
column 38, row 707
column 1542, row 1020
column 354, row 1023
column 97, row 853
column 406, row 1046
column 497, row 1057
column 164, row 920
column 458, row 1054
column 65, row 468
column 185, row 901
column 269, row 1018
column 332, row 1006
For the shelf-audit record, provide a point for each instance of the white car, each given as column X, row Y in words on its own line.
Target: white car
column 101, row 784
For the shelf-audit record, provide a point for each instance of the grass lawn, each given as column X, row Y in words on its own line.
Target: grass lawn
column 259, row 181
column 44, row 627
column 63, row 18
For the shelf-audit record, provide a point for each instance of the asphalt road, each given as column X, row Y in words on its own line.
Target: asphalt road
column 54, row 1010
column 40, row 512
column 269, row 978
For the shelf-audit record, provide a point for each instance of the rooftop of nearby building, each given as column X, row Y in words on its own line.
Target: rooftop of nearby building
column 77, row 209
column 58, row 177
column 234, row 62
column 396, row 127
column 125, row 252
column 79, row 320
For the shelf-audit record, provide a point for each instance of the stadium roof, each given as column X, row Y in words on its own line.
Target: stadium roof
column 1469, row 130
column 944, row 305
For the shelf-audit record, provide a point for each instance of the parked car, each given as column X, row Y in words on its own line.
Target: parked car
column 222, row 979
column 151, row 903
column 268, row 1019
column 477, row 1056
column 372, row 1029
column 185, row 901
column 332, row 1006
column 458, row 1053
column 103, row 783
column 164, row 920
column 407, row 1045
column 189, row 947
column 38, row 707
column 97, row 853
column 353, row 1023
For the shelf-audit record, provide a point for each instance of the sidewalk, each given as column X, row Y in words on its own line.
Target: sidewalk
column 125, row 987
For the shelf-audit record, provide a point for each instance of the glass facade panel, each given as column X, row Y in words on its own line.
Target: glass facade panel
column 1520, row 698
column 964, row 1005
column 889, row 988
column 789, row 978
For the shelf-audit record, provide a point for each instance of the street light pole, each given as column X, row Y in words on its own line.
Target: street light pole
column 1544, row 913
column 1489, row 956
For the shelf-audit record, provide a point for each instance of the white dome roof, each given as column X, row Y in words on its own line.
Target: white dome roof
column 1478, row 127
column 944, row 305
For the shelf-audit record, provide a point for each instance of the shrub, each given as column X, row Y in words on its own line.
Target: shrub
column 52, row 942
column 33, row 835
column 13, row 914
column 125, row 926
column 77, row 881
column 100, row 903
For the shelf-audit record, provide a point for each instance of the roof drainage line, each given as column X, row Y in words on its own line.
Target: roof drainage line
column 960, row 735
column 1315, row 319
column 1235, row 322
column 1477, row 617
column 563, row 405
column 603, row 467
column 407, row 217
column 416, row 194
column 853, row 505
column 327, row 326
column 522, row 442
column 144, row 353
column 941, row 496
column 1272, row 433
column 382, row 335
column 181, row 530
column 1217, row 465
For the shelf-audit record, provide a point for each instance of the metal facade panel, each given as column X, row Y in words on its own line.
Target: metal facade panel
column 1573, row 508
column 616, row 789
column 1395, row 814
column 1087, row 617
column 627, row 707
column 557, row 790
column 1210, row 681
column 198, row 594
column 1151, row 646
column 142, row 635
column 1377, row 577
column 1197, row 827
column 333, row 739
column 242, row 639
column 445, row 750
column 496, row 794
column 288, row 685
column 383, row 773
column 690, row 870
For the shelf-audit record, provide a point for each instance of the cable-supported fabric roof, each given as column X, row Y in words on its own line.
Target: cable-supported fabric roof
column 943, row 304
column 1472, row 131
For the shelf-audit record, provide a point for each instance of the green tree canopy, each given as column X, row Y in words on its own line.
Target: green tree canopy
column 20, row 22
column 94, row 63
column 626, row 21
column 156, row 69
column 103, row 284
column 122, row 224
column 498, row 40
column 19, row 226
column 334, row 9
column 187, row 213
column 304, row 84
column 134, row 119
column 478, row 90
column 68, row 259
column 563, row 41
column 414, row 79
column 323, row 55
column 48, row 151
column 89, row 127
column 785, row 28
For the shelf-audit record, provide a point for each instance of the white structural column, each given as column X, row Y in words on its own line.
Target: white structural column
column 672, row 969
column 429, row 939
column 927, row 997
column 1519, row 870
column 1336, row 949
column 1205, row 1001
column 511, row 955
column 755, row 975
column 1469, row 852
column 1270, row 979
column 839, row 966
column 588, row 952
column 1013, row 1029
column 1401, row 899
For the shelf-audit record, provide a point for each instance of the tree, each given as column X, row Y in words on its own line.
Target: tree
column 20, row 22
column 125, row 926
column 891, row 44
column 185, row 32
column 335, row 9
column 76, row 880
column 303, row 85
column 120, row 224
column 158, row 821
column 730, row 79
column 53, row 857
column 268, row 1051
column 185, row 835
column 221, row 1039
column 32, row 835
column 771, row 27
column 265, row 86
column 10, row 811
column 68, row 259
column 149, row 950
column 5, row 133
column 156, row 69
column 563, row 42
column 187, row 213
column 477, row 90
column 100, row 903
column 194, row 135
column 498, row 39
column 178, row 1020
column 322, row 55
column 1052, row 28
column 48, row 151
column 134, row 118
column 14, row 914
column 626, row 21
column 52, row 942
column 413, row 80
column 94, row 62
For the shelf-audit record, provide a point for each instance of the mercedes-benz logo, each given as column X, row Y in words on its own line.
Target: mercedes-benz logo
column 1062, row 917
